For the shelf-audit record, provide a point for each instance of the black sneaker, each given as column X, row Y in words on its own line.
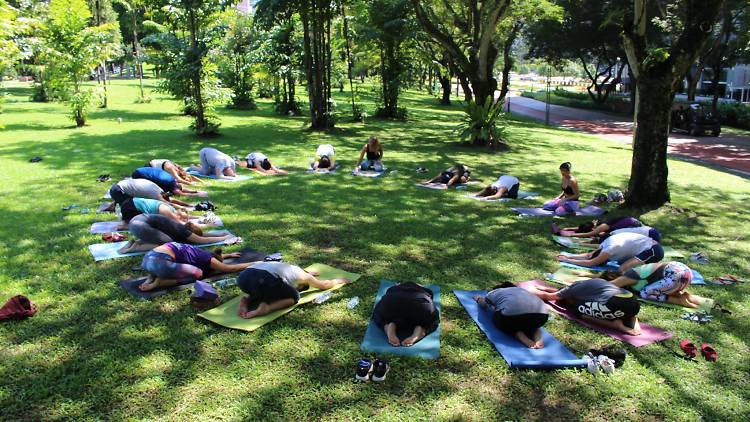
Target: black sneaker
column 364, row 366
column 380, row 370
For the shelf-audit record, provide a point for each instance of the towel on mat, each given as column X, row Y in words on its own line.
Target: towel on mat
column 649, row 334
column 226, row 313
column 376, row 341
column 590, row 211
column 104, row 251
column 552, row 355
column 131, row 285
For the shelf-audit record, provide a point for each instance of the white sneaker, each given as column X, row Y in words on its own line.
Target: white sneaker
column 606, row 364
column 591, row 363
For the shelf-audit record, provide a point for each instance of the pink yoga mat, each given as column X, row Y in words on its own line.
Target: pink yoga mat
column 648, row 335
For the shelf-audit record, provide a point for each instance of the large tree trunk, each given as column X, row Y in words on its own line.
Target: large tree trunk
column 717, row 68
column 648, row 174
column 200, row 112
column 692, row 77
column 508, row 59
column 445, row 83
column 349, row 60
column 136, row 54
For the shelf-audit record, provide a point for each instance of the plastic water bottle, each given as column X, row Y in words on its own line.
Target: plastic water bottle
column 118, row 211
column 322, row 298
column 226, row 282
column 353, row 302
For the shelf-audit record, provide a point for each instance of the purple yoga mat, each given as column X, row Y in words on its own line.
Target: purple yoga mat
column 649, row 334
column 589, row 211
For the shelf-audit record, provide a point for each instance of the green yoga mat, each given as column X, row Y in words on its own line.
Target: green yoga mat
column 578, row 243
column 567, row 276
column 226, row 313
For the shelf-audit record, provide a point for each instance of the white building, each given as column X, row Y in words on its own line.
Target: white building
column 738, row 83
column 246, row 6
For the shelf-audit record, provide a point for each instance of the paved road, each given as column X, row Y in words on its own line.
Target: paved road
column 730, row 152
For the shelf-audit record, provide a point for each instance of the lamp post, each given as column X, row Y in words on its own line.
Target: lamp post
column 549, row 84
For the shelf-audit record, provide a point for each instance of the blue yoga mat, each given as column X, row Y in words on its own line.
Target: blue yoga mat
column 611, row 265
column 375, row 340
column 104, row 251
column 552, row 355
column 238, row 178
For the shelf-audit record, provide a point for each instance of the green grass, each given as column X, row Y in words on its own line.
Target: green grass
column 94, row 353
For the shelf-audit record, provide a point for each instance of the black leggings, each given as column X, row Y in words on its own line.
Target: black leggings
column 158, row 229
column 408, row 305
column 526, row 323
column 262, row 286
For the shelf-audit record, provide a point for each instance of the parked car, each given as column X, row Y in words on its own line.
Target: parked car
column 695, row 120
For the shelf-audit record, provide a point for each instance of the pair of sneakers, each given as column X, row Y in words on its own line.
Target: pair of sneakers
column 369, row 370
column 599, row 363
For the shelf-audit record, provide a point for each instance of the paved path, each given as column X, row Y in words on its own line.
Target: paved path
column 729, row 152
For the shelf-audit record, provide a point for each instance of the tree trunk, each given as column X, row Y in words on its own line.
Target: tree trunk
column 349, row 64
column 136, row 54
column 200, row 113
column 717, row 68
column 101, row 70
column 508, row 59
column 648, row 175
column 445, row 83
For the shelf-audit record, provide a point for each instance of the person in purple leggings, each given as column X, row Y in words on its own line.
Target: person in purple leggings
column 567, row 201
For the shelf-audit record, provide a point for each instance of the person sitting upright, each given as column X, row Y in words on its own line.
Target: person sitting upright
column 567, row 201
column 505, row 186
column 456, row 175
column 373, row 149
column 325, row 158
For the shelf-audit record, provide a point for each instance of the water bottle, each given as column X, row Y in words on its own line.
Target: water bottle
column 226, row 282
column 322, row 298
column 353, row 302
column 118, row 211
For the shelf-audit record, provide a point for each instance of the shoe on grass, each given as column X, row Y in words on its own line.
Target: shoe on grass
column 364, row 367
column 380, row 370
column 606, row 364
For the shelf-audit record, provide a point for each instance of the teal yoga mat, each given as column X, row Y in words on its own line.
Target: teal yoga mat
column 104, row 251
column 375, row 340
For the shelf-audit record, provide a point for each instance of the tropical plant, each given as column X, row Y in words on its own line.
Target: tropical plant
column 483, row 124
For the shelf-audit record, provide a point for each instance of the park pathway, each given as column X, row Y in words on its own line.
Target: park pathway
column 728, row 152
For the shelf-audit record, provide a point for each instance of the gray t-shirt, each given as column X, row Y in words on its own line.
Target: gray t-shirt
column 623, row 246
column 290, row 274
column 217, row 159
column 158, row 163
column 141, row 188
column 515, row 301
column 593, row 290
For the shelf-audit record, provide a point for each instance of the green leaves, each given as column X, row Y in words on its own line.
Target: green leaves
column 483, row 123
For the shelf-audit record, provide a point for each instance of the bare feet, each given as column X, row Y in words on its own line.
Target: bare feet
column 148, row 285
column 243, row 307
column 136, row 246
column 537, row 338
column 635, row 331
column 417, row 335
column 127, row 247
column 390, row 331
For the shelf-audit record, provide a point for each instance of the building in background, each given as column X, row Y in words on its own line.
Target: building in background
column 738, row 83
column 247, row 6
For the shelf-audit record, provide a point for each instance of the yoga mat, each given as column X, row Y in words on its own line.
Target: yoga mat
column 612, row 265
column 552, row 355
column 649, row 334
column 368, row 173
column 324, row 171
column 104, row 251
column 590, row 211
column 568, row 276
column 521, row 195
column 574, row 242
column 238, row 178
column 131, row 285
column 111, row 226
column 226, row 313
column 376, row 341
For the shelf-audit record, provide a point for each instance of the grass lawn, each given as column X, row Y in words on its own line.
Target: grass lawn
column 93, row 352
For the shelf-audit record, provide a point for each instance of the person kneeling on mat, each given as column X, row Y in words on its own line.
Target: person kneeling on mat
column 505, row 186
column 215, row 163
column 598, row 301
column 452, row 176
column 163, row 179
column 259, row 162
column 661, row 282
column 628, row 249
column 406, row 307
column 152, row 230
column 517, row 312
column 325, row 157
column 271, row 286
column 174, row 169
column 173, row 263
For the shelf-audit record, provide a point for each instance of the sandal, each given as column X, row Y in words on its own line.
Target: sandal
column 709, row 352
column 689, row 348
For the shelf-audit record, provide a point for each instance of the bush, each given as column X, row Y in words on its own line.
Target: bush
column 483, row 124
column 734, row 114
column 566, row 98
column 401, row 113
column 212, row 126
